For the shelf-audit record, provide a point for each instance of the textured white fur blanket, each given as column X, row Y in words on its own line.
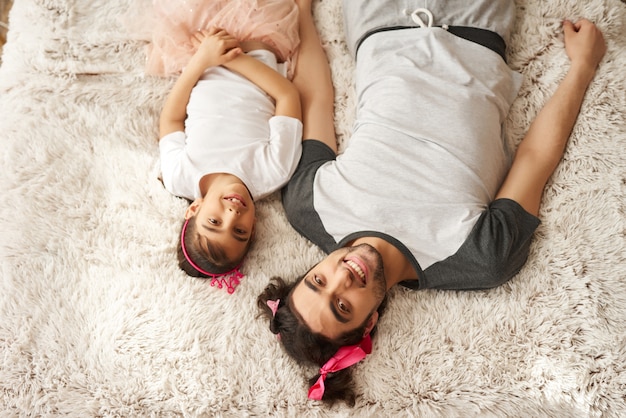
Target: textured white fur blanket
column 96, row 319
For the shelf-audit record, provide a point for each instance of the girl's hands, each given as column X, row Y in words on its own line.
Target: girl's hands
column 214, row 47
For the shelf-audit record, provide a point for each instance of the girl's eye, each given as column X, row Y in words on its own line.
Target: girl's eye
column 213, row 221
column 317, row 280
column 240, row 231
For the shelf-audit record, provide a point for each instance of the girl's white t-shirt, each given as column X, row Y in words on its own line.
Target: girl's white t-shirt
column 231, row 128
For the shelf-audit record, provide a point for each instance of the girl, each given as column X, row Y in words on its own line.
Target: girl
column 230, row 130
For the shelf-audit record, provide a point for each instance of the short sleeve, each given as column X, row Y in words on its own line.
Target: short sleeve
column 298, row 195
column 171, row 148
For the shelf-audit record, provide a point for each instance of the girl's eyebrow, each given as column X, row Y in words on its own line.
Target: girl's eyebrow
column 217, row 231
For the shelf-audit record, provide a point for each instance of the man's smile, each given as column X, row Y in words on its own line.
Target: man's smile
column 358, row 268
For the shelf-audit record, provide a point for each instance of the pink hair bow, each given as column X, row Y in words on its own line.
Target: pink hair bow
column 343, row 358
column 230, row 279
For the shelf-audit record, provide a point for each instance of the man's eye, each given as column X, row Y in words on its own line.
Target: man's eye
column 342, row 306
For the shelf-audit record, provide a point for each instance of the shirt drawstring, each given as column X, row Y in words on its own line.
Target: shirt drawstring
column 415, row 15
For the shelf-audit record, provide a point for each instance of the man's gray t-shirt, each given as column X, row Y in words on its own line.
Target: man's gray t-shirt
column 425, row 159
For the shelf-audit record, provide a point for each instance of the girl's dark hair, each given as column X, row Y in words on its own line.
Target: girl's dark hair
column 306, row 346
column 212, row 259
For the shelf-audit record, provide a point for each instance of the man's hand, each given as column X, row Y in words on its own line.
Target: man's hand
column 542, row 148
column 214, row 47
column 584, row 45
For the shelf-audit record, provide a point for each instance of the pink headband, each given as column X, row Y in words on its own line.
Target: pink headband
column 230, row 279
column 343, row 358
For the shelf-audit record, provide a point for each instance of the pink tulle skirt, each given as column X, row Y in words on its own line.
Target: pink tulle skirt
column 273, row 22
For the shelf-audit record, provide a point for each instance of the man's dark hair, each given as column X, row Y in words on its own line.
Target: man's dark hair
column 306, row 346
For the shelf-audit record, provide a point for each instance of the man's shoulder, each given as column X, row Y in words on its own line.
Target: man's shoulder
column 315, row 150
column 298, row 194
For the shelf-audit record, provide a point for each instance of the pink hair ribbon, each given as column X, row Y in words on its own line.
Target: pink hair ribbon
column 230, row 279
column 343, row 358
column 273, row 304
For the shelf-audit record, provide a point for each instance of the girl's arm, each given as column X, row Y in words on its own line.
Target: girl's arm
column 542, row 148
column 215, row 47
column 274, row 84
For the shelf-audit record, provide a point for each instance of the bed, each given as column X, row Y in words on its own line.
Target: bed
column 96, row 319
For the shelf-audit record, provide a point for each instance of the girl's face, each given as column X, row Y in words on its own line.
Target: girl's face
column 226, row 214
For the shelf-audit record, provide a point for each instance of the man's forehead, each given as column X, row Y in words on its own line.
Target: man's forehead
column 306, row 307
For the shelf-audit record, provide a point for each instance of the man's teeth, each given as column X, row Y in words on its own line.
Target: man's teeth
column 356, row 268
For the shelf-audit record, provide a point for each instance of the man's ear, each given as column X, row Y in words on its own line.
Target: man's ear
column 193, row 208
column 371, row 323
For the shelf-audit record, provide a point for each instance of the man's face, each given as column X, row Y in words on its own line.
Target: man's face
column 342, row 291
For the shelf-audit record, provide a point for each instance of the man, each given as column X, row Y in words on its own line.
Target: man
column 423, row 196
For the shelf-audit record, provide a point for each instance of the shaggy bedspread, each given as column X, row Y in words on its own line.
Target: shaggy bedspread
column 96, row 319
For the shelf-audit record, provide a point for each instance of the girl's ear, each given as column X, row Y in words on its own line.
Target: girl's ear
column 253, row 234
column 371, row 323
column 193, row 208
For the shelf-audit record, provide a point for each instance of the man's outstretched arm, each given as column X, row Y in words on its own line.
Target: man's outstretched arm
column 541, row 150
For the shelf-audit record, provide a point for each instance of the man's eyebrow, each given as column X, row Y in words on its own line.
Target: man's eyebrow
column 333, row 308
column 338, row 317
column 311, row 286
column 217, row 231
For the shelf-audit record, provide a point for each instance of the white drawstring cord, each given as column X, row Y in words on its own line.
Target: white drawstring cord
column 417, row 19
column 415, row 15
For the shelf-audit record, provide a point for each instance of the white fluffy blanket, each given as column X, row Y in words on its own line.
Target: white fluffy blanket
column 96, row 319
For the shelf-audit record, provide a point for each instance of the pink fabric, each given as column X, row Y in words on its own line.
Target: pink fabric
column 343, row 358
column 274, row 22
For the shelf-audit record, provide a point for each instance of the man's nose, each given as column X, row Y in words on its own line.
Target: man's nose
column 343, row 279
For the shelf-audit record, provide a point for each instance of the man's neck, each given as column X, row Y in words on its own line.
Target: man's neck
column 397, row 267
